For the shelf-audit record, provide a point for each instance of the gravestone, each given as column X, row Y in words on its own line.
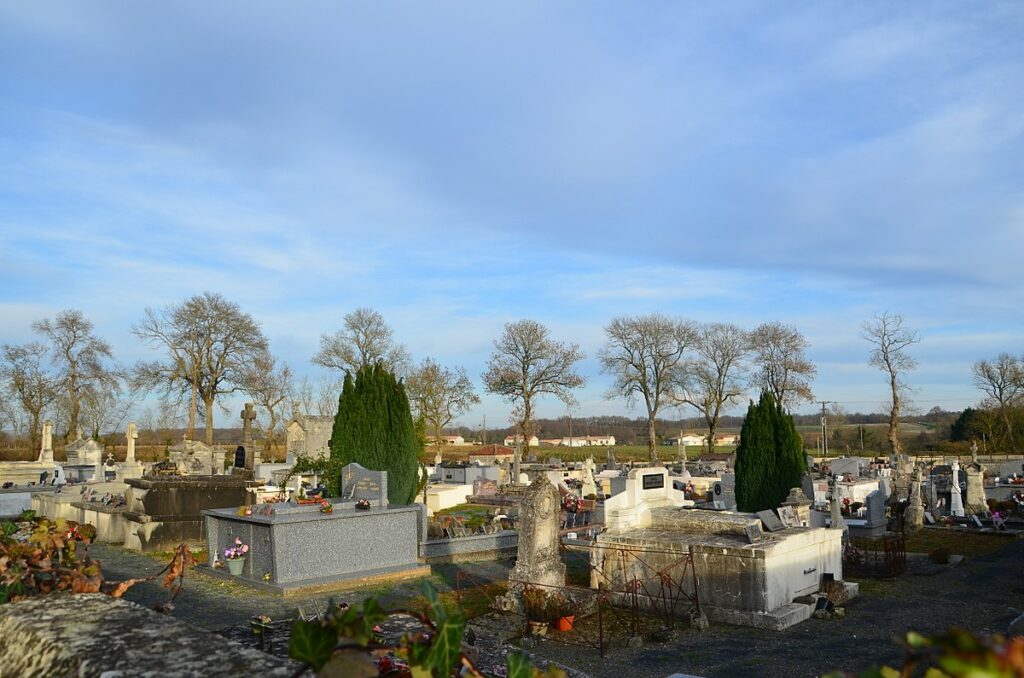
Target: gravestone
column 788, row 517
column 975, row 501
column 46, row 450
column 913, row 515
column 131, row 437
column 539, row 561
column 359, row 483
column 251, row 456
column 800, row 505
column 875, row 502
column 836, row 521
column 771, row 521
column 724, row 491
column 485, row 487
column 956, row 501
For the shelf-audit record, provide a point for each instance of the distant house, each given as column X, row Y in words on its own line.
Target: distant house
column 512, row 440
column 687, row 440
column 491, row 454
column 448, row 440
column 727, row 439
column 308, row 435
column 588, row 441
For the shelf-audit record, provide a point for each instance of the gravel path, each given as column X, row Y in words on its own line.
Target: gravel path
column 983, row 594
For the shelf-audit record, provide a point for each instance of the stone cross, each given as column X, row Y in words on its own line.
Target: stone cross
column 956, row 501
column 46, row 449
column 248, row 416
column 132, row 434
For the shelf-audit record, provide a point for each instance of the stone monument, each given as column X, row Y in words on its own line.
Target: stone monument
column 46, row 450
column 913, row 515
column 975, row 501
column 956, row 501
column 131, row 468
column 252, row 457
column 589, row 484
column 835, row 514
column 539, row 561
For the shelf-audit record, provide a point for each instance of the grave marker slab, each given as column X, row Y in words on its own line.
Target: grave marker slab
column 771, row 521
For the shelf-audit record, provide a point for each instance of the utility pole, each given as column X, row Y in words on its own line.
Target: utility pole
column 483, row 431
column 824, row 427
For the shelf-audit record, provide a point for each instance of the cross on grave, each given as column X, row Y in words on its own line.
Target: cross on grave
column 248, row 415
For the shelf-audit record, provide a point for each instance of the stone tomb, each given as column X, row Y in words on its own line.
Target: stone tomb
column 744, row 576
column 296, row 548
column 197, row 459
column 162, row 512
column 645, row 489
column 84, row 460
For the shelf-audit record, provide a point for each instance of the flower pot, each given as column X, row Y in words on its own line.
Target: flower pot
column 565, row 623
column 235, row 566
column 538, row 628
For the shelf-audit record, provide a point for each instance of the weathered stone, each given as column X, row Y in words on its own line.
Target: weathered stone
column 46, row 450
column 538, row 562
column 93, row 635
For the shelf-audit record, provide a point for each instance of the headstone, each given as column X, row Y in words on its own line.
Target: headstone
column 539, row 562
column 131, row 435
column 771, row 521
column 727, row 485
column 875, row 502
column 46, row 449
column 929, row 517
column 807, row 485
column 836, row 521
column 484, row 487
column 362, row 483
column 975, row 501
column 248, row 416
column 956, row 502
column 788, row 517
column 913, row 515
column 589, row 483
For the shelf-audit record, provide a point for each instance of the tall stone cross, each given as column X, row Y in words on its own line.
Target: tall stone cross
column 248, row 416
column 46, row 450
column 132, row 434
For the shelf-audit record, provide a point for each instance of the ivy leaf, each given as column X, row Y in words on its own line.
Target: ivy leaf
column 311, row 643
column 445, row 648
column 519, row 666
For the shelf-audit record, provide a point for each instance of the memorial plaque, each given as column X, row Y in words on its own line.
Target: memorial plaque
column 653, row 481
column 788, row 516
column 771, row 521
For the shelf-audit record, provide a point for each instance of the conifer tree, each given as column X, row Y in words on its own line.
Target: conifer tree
column 769, row 459
column 374, row 428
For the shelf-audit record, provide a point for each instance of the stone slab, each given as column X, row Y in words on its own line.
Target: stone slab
column 776, row 620
column 93, row 635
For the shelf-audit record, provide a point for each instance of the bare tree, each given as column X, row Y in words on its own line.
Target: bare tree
column 81, row 357
column 28, row 384
column 209, row 341
column 891, row 339
column 645, row 357
column 107, row 409
column 320, row 396
column 527, row 363
column 716, row 378
column 270, row 387
column 439, row 395
column 782, row 366
column 364, row 340
column 1002, row 381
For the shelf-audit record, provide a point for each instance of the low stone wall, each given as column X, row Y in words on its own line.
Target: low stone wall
column 90, row 635
column 14, row 500
column 476, row 547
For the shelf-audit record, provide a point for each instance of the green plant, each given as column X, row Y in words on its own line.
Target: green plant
column 342, row 643
column 770, row 457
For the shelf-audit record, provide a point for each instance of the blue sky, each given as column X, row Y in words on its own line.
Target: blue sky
column 460, row 165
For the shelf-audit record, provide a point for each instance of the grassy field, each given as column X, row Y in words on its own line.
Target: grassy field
column 959, row 542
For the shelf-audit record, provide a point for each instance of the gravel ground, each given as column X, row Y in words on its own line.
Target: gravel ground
column 983, row 594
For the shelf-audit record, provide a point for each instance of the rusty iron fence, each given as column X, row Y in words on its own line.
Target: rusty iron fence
column 885, row 557
column 652, row 591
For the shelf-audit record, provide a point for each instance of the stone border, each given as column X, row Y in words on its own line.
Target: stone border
column 474, row 547
column 323, row 584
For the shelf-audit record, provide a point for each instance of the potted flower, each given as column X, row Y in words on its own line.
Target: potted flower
column 326, row 506
column 572, row 503
column 259, row 624
column 235, row 556
column 363, row 504
column 559, row 612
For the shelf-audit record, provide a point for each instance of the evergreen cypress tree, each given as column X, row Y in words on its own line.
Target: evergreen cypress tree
column 374, row 428
column 770, row 457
